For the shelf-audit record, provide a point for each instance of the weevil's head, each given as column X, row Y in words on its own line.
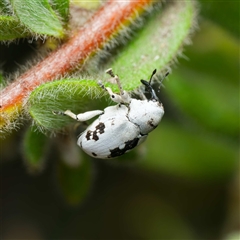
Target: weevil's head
column 147, row 113
column 149, row 87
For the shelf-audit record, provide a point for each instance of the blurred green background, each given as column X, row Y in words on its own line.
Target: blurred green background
column 182, row 183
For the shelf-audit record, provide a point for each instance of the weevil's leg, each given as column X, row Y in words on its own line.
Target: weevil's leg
column 115, row 97
column 82, row 117
column 110, row 72
column 124, row 96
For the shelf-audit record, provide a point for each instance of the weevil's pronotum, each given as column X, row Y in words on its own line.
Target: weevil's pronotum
column 121, row 127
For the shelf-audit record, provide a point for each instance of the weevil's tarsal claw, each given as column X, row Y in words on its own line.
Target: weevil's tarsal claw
column 58, row 113
column 110, row 72
column 101, row 85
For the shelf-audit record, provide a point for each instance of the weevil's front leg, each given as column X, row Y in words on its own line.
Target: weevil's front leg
column 123, row 97
column 115, row 97
column 116, row 78
column 81, row 117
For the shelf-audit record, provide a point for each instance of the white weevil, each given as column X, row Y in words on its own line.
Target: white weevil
column 122, row 127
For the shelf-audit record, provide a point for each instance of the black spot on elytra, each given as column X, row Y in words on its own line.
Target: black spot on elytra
column 128, row 145
column 95, row 136
column 94, row 154
column 88, row 135
column 99, row 129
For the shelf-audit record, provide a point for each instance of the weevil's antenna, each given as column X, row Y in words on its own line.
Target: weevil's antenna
column 153, row 73
column 149, row 87
column 166, row 74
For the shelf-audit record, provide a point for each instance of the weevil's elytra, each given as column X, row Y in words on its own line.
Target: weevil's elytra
column 150, row 123
column 121, row 127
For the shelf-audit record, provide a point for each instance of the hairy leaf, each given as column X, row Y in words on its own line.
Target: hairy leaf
column 157, row 45
column 72, row 94
column 38, row 16
column 62, row 8
column 10, row 28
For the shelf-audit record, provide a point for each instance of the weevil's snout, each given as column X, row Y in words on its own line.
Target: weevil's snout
column 150, row 89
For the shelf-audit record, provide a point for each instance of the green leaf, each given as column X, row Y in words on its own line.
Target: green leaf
column 211, row 104
column 156, row 45
column 149, row 217
column 233, row 235
column 74, row 171
column 74, row 182
column 62, row 8
column 10, row 28
column 216, row 12
column 4, row 10
column 183, row 152
column 34, row 146
column 1, row 80
column 206, row 89
column 218, row 56
column 72, row 94
column 38, row 16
